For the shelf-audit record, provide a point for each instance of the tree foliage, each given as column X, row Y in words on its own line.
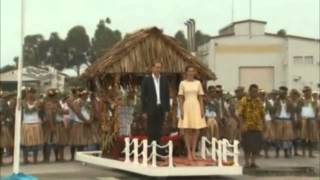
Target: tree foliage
column 7, row 68
column 201, row 38
column 78, row 48
column 180, row 37
column 31, row 53
column 104, row 38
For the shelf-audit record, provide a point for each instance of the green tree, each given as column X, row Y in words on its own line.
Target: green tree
column 108, row 20
column 7, row 68
column 78, row 47
column 282, row 33
column 201, row 38
column 31, row 54
column 180, row 37
column 54, row 52
column 104, row 38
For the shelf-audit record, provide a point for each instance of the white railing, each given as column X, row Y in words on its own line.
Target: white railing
column 219, row 151
column 144, row 153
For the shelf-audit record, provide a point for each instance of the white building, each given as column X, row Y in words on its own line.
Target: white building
column 243, row 53
column 40, row 78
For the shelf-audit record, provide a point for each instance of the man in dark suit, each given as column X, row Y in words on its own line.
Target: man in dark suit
column 155, row 101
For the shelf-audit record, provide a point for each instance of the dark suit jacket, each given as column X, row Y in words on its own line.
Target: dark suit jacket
column 149, row 96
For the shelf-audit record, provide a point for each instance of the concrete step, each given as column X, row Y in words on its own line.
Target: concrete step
column 282, row 171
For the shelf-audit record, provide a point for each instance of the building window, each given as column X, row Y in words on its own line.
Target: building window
column 48, row 83
column 298, row 60
column 308, row 59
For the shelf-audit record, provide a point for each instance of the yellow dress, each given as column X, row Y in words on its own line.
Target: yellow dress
column 192, row 111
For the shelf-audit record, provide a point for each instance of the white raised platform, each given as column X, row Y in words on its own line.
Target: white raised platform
column 218, row 152
column 91, row 157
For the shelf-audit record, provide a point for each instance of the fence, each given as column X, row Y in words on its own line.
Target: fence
column 144, row 152
column 219, row 150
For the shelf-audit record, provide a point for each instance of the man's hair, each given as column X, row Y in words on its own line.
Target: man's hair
column 306, row 89
column 211, row 88
column 155, row 62
column 219, row 86
column 283, row 88
column 253, row 86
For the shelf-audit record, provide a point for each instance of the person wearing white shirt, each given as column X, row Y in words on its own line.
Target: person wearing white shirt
column 31, row 131
column 283, row 122
column 268, row 134
column 155, row 101
column 309, row 125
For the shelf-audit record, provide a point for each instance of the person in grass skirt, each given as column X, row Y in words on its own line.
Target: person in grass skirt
column 6, row 123
column 31, row 131
column 79, row 132
column 211, row 115
column 284, row 122
column 48, row 112
column 268, row 132
column 296, row 99
column 69, row 115
column 56, row 133
column 308, row 116
column 91, row 126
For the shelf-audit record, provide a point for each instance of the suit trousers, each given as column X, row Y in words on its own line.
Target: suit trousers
column 155, row 124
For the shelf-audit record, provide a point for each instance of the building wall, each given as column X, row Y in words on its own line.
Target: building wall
column 244, row 28
column 227, row 55
column 302, row 72
column 45, row 79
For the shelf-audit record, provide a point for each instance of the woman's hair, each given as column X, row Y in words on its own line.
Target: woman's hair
column 188, row 67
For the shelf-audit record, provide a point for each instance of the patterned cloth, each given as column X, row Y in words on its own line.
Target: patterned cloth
column 126, row 118
column 252, row 113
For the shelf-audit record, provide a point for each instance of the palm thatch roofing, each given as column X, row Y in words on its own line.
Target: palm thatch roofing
column 137, row 52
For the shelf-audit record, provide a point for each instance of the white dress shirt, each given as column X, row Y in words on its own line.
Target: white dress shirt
column 157, row 86
column 283, row 113
column 307, row 111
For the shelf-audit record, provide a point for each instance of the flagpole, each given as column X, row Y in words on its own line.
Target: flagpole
column 18, row 115
column 232, row 11
column 250, row 18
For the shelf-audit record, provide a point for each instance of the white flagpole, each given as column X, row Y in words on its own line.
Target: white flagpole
column 17, row 135
column 250, row 18
column 232, row 11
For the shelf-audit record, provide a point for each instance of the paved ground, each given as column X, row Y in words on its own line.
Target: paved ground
column 78, row 171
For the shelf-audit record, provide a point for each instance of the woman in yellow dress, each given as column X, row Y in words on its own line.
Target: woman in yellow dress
column 192, row 110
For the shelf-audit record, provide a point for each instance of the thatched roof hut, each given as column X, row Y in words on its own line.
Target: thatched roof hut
column 137, row 52
column 125, row 63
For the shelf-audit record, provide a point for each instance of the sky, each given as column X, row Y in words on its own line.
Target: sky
column 298, row 17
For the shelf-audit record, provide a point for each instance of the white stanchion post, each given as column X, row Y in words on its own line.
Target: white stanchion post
column 170, row 154
column 145, row 152
column 225, row 150
column 236, row 153
column 154, row 153
column 135, row 151
column 203, row 147
column 219, row 153
column 127, row 150
column 214, row 149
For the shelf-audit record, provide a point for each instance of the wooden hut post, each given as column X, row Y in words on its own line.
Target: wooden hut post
column 173, row 87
